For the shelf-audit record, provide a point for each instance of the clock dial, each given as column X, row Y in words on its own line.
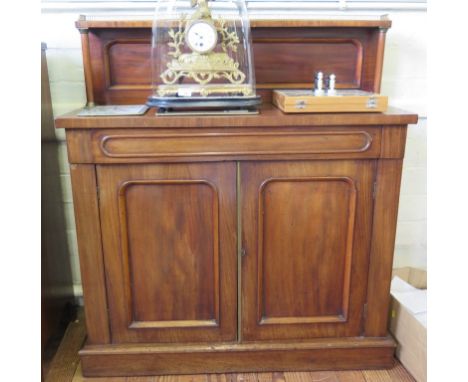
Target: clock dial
column 201, row 37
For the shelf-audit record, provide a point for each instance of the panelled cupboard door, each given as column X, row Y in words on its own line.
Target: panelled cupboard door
column 306, row 230
column 169, row 240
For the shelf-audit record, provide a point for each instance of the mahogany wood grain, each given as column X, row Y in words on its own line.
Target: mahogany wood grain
column 306, row 55
column 142, row 146
column 124, row 68
column 87, row 66
column 320, row 354
column 83, row 23
column 371, row 71
column 306, row 230
column 393, row 141
column 269, row 116
column 305, row 205
column 179, row 244
column 88, row 230
column 388, row 180
column 66, row 364
column 169, row 238
column 379, row 59
column 314, row 279
column 120, row 59
column 281, row 261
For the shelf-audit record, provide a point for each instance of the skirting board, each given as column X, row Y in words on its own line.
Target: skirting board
column 320, row 354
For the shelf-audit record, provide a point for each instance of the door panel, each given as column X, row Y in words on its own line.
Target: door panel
column 169, row 234
column 306, row 232
column 314, row 225
column 189, row 254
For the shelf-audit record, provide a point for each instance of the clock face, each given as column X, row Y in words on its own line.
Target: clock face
column 201, row 37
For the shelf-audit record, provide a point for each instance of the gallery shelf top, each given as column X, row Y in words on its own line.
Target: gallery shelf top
column 333, row 21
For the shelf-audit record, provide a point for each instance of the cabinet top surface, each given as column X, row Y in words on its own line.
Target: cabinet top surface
column 269, row 116
column 326, row 22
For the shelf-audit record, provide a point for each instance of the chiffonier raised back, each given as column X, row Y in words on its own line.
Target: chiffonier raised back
column 236, row 243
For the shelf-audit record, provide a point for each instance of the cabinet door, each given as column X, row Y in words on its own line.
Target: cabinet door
column 306, row 230
column 169, row 239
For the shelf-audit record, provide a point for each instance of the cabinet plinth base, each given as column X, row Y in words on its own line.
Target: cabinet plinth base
column 319, row 354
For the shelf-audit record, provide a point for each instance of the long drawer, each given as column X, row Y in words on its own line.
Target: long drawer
column 143, row 145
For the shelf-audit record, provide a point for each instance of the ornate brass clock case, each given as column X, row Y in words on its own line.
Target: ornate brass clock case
column 204, row 56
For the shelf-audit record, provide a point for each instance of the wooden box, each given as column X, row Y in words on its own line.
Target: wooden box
column 304, row 101
column 410, row 333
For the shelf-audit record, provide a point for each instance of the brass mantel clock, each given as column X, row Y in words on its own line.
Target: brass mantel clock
column 202, row 56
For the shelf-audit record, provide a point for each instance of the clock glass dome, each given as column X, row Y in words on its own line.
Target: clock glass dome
column 202, row 55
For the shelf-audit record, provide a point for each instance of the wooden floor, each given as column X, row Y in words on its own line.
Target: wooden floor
column 398, row 373
column 65, row 367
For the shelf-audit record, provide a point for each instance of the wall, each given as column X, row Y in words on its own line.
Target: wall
column 404, row 81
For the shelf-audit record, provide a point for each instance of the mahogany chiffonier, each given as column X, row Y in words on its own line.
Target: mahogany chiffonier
column 246, row 243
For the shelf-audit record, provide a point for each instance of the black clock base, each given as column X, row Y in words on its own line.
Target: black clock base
column 199, row 104
column 197, row 113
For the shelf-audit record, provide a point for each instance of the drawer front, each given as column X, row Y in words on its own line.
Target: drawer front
column 121, row 146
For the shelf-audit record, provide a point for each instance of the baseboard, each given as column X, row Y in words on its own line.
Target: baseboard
column 319, row 354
